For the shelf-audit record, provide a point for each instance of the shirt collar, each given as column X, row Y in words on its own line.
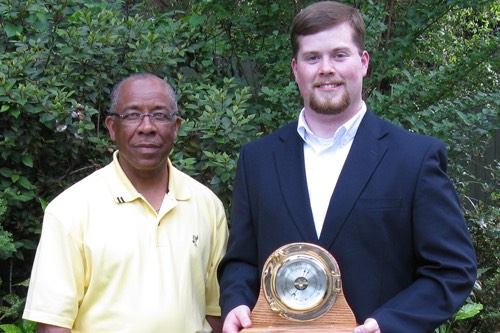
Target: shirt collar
column 342, row 136
column 178, row 186
column 120, row 185
column 124, row 191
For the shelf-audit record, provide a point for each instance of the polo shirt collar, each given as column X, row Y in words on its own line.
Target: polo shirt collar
column 178, row 183
column 124, row 191
column 120, row 186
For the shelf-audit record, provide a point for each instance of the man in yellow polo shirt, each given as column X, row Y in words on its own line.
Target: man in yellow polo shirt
column 134, row 247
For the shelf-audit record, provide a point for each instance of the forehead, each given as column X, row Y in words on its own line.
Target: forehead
column 335, row 37
column 143, row 90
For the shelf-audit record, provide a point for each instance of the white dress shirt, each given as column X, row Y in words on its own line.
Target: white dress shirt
column 324, row 160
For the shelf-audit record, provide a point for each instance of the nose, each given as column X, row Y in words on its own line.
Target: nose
column 327, row 66
column 147, row 125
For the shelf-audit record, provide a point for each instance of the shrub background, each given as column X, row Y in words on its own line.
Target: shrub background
column 434, row 70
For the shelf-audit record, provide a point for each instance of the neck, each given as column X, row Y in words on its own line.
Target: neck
column 152, row 185
column 325, row 125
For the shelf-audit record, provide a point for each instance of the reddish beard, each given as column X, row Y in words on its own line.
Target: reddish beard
column 328, row 104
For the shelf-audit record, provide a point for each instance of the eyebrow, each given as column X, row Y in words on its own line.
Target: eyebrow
column 334, row 50
column 136, row 107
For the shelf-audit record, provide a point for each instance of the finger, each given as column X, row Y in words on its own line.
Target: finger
column 237, row 319
column 243, row 316
column 370, row 326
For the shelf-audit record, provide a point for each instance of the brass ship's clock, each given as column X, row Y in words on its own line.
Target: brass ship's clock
column 301, row 281
column 301, row 289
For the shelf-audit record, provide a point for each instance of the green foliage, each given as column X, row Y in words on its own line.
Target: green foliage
column 216, row 124
column 468, row 310
column 22, row 326
column 433, row 70
column 7, row 247
column 58, row 62
column 483, row 220
column 12, row 306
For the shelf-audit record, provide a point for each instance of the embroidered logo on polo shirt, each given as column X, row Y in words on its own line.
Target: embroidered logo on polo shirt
column 195, row 240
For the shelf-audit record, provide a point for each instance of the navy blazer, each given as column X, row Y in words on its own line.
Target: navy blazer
column 394, row 225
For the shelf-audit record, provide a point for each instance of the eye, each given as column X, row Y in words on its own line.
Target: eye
column 340, row 55
column 312, row 58
column 159, row 116
column 132, row 115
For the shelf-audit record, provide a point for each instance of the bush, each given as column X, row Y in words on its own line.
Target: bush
column 432, row 71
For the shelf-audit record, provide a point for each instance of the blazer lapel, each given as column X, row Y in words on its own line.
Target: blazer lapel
column 364, row 156
column 289, row 160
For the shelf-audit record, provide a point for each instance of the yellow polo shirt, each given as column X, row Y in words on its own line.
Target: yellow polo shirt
column 106, row 262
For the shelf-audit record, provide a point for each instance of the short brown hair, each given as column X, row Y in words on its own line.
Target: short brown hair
column 324, row 15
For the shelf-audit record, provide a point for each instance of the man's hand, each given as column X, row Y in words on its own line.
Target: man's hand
column 237, row 319
column 46, row 328
column 215, row 322
column 370, row 326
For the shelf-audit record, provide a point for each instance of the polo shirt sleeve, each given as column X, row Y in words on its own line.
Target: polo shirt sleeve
column 217, row 249
column 57, row 279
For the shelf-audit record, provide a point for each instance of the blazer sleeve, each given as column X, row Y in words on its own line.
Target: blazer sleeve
column 238, row 271
column 446, row 262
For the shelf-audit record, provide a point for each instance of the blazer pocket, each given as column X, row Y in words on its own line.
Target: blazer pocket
column 379, row 203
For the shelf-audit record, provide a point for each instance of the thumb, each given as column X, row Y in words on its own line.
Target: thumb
column 243, row 316
column 370, row 326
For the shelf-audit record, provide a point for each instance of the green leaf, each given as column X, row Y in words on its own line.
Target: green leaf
column 27, row 160
column 11, row 30
column 225, row 176
column 25, row 183
column 89, row 81
column 468, row 310
column 14, row 178
column 197, row 20
column 43, row 203
column 29, row 326
column 27, row 244
column 10, row 328
column 15, row 113
column 7, row 173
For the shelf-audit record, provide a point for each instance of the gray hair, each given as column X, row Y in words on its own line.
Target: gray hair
column 115, row 93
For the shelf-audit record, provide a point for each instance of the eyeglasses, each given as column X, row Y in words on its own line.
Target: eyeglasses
column 136, row 118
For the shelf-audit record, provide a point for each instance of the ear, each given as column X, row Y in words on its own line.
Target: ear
column 178, row 122
column 110, row 125
column 365, row 61
column 294, row 68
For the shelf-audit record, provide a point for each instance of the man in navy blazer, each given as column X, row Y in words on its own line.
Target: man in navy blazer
column 374, row 195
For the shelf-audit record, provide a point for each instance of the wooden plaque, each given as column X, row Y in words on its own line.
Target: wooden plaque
column 289, row 271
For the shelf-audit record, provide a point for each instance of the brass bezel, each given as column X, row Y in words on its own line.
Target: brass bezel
column 317, row 257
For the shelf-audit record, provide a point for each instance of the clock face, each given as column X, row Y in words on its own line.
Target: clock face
column 301, row 281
